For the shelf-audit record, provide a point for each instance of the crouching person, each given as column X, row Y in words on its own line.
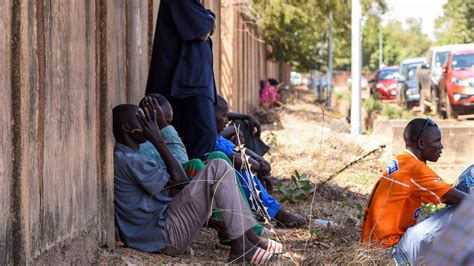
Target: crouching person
column 147, row 218
column 406, row 183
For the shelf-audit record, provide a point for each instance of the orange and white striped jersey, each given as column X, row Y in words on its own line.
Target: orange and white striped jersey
column 395, row 202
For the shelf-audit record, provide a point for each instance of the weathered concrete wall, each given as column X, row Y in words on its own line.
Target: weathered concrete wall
column 457, row 138
column 5, row 132
column 240, row 56
column 458, row 143
column 65, row 64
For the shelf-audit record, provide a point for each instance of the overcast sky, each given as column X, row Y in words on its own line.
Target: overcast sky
column 427, row 10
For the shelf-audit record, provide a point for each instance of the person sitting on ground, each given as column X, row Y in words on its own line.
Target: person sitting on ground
column 455, row 246
column 268, row 94
column 147, row 218
column 169, row 134
column 251, row 184
column 191, row 167
column 418, row 240
column 249, row 129
column 406, row 183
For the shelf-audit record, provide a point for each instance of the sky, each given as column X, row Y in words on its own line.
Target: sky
column 427, row 10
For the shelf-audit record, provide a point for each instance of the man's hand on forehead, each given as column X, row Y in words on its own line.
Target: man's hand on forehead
column 147, row 118
column 151, row 104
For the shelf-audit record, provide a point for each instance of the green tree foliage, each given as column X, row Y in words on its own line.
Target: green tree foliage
column 398, row 43
column 456, row 24
column 298, row 29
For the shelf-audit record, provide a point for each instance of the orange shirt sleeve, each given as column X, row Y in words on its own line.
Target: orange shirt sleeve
column 428, row 185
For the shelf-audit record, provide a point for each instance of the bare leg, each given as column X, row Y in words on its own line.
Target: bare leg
column 191, row 208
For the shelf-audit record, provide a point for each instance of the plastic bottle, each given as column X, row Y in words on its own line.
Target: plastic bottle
column 325, row 223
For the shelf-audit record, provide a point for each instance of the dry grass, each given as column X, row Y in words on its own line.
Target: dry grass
column 302, row 140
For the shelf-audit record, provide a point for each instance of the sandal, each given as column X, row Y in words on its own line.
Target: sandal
column 274, row 247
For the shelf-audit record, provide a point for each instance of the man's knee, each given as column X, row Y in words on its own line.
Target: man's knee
column 221, row 169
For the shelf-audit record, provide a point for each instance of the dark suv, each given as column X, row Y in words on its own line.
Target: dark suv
column 408, row 94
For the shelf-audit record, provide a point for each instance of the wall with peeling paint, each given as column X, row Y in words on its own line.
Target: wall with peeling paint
column 5, row 131
column 65, row 64
column 240, row 56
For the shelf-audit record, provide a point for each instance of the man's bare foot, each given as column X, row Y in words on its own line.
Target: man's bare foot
column 289, row 220
column 256, row 240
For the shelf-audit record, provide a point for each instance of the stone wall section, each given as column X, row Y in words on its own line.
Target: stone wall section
column 65, row 64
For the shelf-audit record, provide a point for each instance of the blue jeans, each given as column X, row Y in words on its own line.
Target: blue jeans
column 399, row 256
column 250, row 182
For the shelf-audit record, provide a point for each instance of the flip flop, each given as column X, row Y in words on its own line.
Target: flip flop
column 274, row 247
column 260, row 257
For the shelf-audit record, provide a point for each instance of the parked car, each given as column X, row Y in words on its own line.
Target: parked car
column 428, row 75
column 407, row 89
column 456, row 85
column 384, row 85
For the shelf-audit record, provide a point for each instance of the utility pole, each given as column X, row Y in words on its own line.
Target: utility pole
column 320, row 75
column 329, row 75
column 356, row 67
column 380, row 49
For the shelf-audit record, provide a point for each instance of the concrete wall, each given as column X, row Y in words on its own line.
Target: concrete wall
column 240, row 56
column 6, row 146
column 457, row 138
column 458, row 143
column 65, row 64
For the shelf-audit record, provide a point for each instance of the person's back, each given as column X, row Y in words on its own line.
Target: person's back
column 396, row 200
column 140, row 199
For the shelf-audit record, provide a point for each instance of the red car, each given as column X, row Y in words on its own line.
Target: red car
column 384, row 85
column 456, row 86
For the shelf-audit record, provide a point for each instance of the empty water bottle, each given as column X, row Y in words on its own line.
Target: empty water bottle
column 325, row 223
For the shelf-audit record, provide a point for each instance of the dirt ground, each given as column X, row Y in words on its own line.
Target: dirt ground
column 315, row 143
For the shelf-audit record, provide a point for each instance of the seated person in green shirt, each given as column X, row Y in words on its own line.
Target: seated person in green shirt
column 169, row 134
column 147, row 218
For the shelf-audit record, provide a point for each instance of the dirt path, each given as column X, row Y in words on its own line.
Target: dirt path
column 317, row 145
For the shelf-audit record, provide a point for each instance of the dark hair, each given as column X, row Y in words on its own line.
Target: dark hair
column 122, row 114
column 413, row 130
column 221, row 104
column 274, row 82
column 160, row 98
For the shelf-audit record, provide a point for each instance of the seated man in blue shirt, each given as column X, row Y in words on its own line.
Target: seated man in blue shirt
column 263, row 204
column 191, row 167
column 147, row 218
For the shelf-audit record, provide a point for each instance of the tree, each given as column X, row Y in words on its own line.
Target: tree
column 296, row 29
column 456, row 24
column 398, row 43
